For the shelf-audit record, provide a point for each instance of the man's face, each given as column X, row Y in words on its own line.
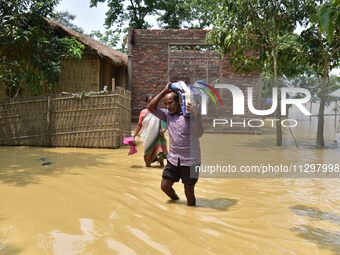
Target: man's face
column 171, row 105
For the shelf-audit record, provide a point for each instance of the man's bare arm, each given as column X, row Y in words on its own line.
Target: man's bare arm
column 152, row 107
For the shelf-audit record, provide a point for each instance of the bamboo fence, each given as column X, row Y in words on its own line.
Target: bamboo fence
column 99, row 121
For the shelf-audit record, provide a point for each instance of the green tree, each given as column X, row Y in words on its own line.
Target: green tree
column 109, row 37
column 258, row 26
column 187, row 13
column 169, row 13
column 321, row 49
column 66, row 18
column 329, row 18
column 175, row 13
column 133, row 12
column 30, row 53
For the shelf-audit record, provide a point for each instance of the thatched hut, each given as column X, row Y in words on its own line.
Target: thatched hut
column 100, row 66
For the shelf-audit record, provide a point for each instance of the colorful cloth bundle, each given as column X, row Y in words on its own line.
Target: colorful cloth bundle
column 186, row 91
column 130, row 141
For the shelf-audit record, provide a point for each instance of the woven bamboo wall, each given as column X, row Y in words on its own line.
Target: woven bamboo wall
column 93, row 122
column 79, row 75
column 84, row 75
column 75, row 76
column 23, row 122
column 2, row 90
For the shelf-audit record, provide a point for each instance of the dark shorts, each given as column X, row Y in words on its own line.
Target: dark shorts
column 187, row 174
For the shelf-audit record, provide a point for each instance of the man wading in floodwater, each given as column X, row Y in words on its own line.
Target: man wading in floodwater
column 184, row 154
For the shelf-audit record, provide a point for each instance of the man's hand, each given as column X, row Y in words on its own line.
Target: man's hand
column 167, row 87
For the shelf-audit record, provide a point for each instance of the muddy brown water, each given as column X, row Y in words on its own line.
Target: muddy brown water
column 96, row 201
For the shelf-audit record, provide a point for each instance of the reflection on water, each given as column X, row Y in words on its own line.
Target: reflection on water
column 60, row 243
column 316, row 213
column 104, row 202
column 222, row 204
column 325, row 239
column 148, row 241
column 120, row 248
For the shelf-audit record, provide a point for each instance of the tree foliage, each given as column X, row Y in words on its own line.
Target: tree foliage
column 321, row 45
column 259, row 26
column 174, row 13
column 66, row 18
column 265, row 28
column 257, row 36
column 169, row 13
column 30, row 53
column 329, row 19
column 134, row 12
column 110, row 38
column 319, row 48
column 187, row 13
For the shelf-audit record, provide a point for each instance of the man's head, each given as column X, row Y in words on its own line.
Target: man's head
column 171, row 101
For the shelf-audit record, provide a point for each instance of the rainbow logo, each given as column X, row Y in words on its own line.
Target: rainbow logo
column 185, row 90
column 208, row 90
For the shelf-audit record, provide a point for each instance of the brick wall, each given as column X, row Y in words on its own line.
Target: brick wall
column 148, row 53
column 154, row 60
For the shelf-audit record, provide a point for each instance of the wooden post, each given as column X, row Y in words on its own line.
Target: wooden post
column 113, row 86
column 48, row 121
column 169, row 68
column 195, row 62
column 310, row 110
column 207, row 69
column 130, row 43
column 335, row 113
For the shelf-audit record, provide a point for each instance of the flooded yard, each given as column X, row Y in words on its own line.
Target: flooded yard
column 92, row 201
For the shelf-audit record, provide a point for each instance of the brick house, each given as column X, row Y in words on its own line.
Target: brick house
column 159, row 56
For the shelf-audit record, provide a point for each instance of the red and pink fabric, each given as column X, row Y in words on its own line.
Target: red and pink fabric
column 130, row 141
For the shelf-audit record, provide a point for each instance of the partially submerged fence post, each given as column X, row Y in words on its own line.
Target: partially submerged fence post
column 335, row 120
column 48, row 121
column 310, row 110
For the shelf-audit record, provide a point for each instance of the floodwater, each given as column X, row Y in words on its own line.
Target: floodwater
column 68, row 201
